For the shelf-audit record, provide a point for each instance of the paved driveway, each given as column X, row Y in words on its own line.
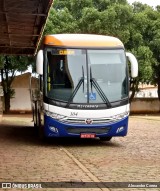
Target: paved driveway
column 134, row 158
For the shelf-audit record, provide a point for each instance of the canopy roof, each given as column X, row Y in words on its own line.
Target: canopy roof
column 21, row 25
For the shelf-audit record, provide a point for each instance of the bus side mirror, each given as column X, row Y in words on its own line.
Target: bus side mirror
column 39, row 62
column 134, row 64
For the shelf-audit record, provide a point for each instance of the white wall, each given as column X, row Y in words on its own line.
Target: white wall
column 145, row 105
column 148, row 93
column 21, row 101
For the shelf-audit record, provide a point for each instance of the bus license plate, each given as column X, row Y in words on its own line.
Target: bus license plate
column 87, row 135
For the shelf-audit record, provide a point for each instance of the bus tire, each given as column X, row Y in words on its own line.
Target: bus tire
column 105, row 138
column 41, row 134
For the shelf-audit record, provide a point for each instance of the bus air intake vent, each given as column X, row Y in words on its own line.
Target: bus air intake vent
column 97, row 130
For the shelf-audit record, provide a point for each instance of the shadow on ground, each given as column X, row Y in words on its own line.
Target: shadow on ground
column 27, row 135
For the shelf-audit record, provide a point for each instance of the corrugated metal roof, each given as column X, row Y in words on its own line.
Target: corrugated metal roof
column 21, row 25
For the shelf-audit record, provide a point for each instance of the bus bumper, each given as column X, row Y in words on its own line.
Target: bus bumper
column 53, row 128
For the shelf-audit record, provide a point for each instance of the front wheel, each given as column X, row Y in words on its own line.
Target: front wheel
column 105, row 138
column 41, row 133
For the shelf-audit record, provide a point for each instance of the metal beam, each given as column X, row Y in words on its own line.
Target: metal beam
column 16, row 47
column 19, row 34
column 25, row 14
column 4, row 8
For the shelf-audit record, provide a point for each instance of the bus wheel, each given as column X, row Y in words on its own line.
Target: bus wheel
column 105, row 138
column 41, row 134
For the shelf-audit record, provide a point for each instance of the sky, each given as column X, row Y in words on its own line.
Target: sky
column 153, row 3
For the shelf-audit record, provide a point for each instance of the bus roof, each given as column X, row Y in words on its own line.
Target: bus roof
column 82, row 40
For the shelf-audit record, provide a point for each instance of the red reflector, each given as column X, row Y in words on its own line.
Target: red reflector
column 87, row 135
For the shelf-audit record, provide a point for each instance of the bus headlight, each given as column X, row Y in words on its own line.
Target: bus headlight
column 121, row 116
column 54, row 115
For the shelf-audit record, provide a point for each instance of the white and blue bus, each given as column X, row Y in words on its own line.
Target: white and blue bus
column 83, row 86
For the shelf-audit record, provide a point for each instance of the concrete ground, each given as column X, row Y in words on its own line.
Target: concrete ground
column 134, row 158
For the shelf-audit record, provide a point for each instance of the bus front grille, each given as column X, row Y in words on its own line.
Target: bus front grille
column 97, row 130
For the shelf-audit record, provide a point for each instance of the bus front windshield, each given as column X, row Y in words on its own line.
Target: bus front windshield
column 86, row 76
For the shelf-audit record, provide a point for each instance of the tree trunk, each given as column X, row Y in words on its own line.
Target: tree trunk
column 6, row 86
column 133, row 88
column 132, row 95
column 7, row 102
column 158, row 91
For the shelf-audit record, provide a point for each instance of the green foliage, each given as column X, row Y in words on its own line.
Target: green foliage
column 15, row 63
column 145, row 58
column 63, row 21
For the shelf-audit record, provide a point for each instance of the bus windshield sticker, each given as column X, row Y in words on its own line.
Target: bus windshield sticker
column 66, row 52
column 92, row 96
column 63, row 52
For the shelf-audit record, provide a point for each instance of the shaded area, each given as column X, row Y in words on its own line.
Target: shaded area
column 22, row 24
column 28, row 135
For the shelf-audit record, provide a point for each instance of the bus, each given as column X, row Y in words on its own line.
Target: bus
column 83, row 86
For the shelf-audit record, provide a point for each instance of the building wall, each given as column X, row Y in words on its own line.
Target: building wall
column 150, row 92
column 1, row 103
column 21, row 101
column 1, row 109
column 145, row 105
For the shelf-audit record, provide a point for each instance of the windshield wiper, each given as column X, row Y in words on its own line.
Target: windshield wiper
column 99, row 90
column 76, row 88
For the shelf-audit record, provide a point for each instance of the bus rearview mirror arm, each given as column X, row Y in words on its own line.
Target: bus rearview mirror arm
column 134, row 64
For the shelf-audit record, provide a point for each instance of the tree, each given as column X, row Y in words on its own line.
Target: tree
column 146, row 32
column 145, row 61
column 9, row 66
column 155, row 46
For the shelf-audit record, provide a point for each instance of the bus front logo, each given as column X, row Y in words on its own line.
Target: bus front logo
column 88, row 121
